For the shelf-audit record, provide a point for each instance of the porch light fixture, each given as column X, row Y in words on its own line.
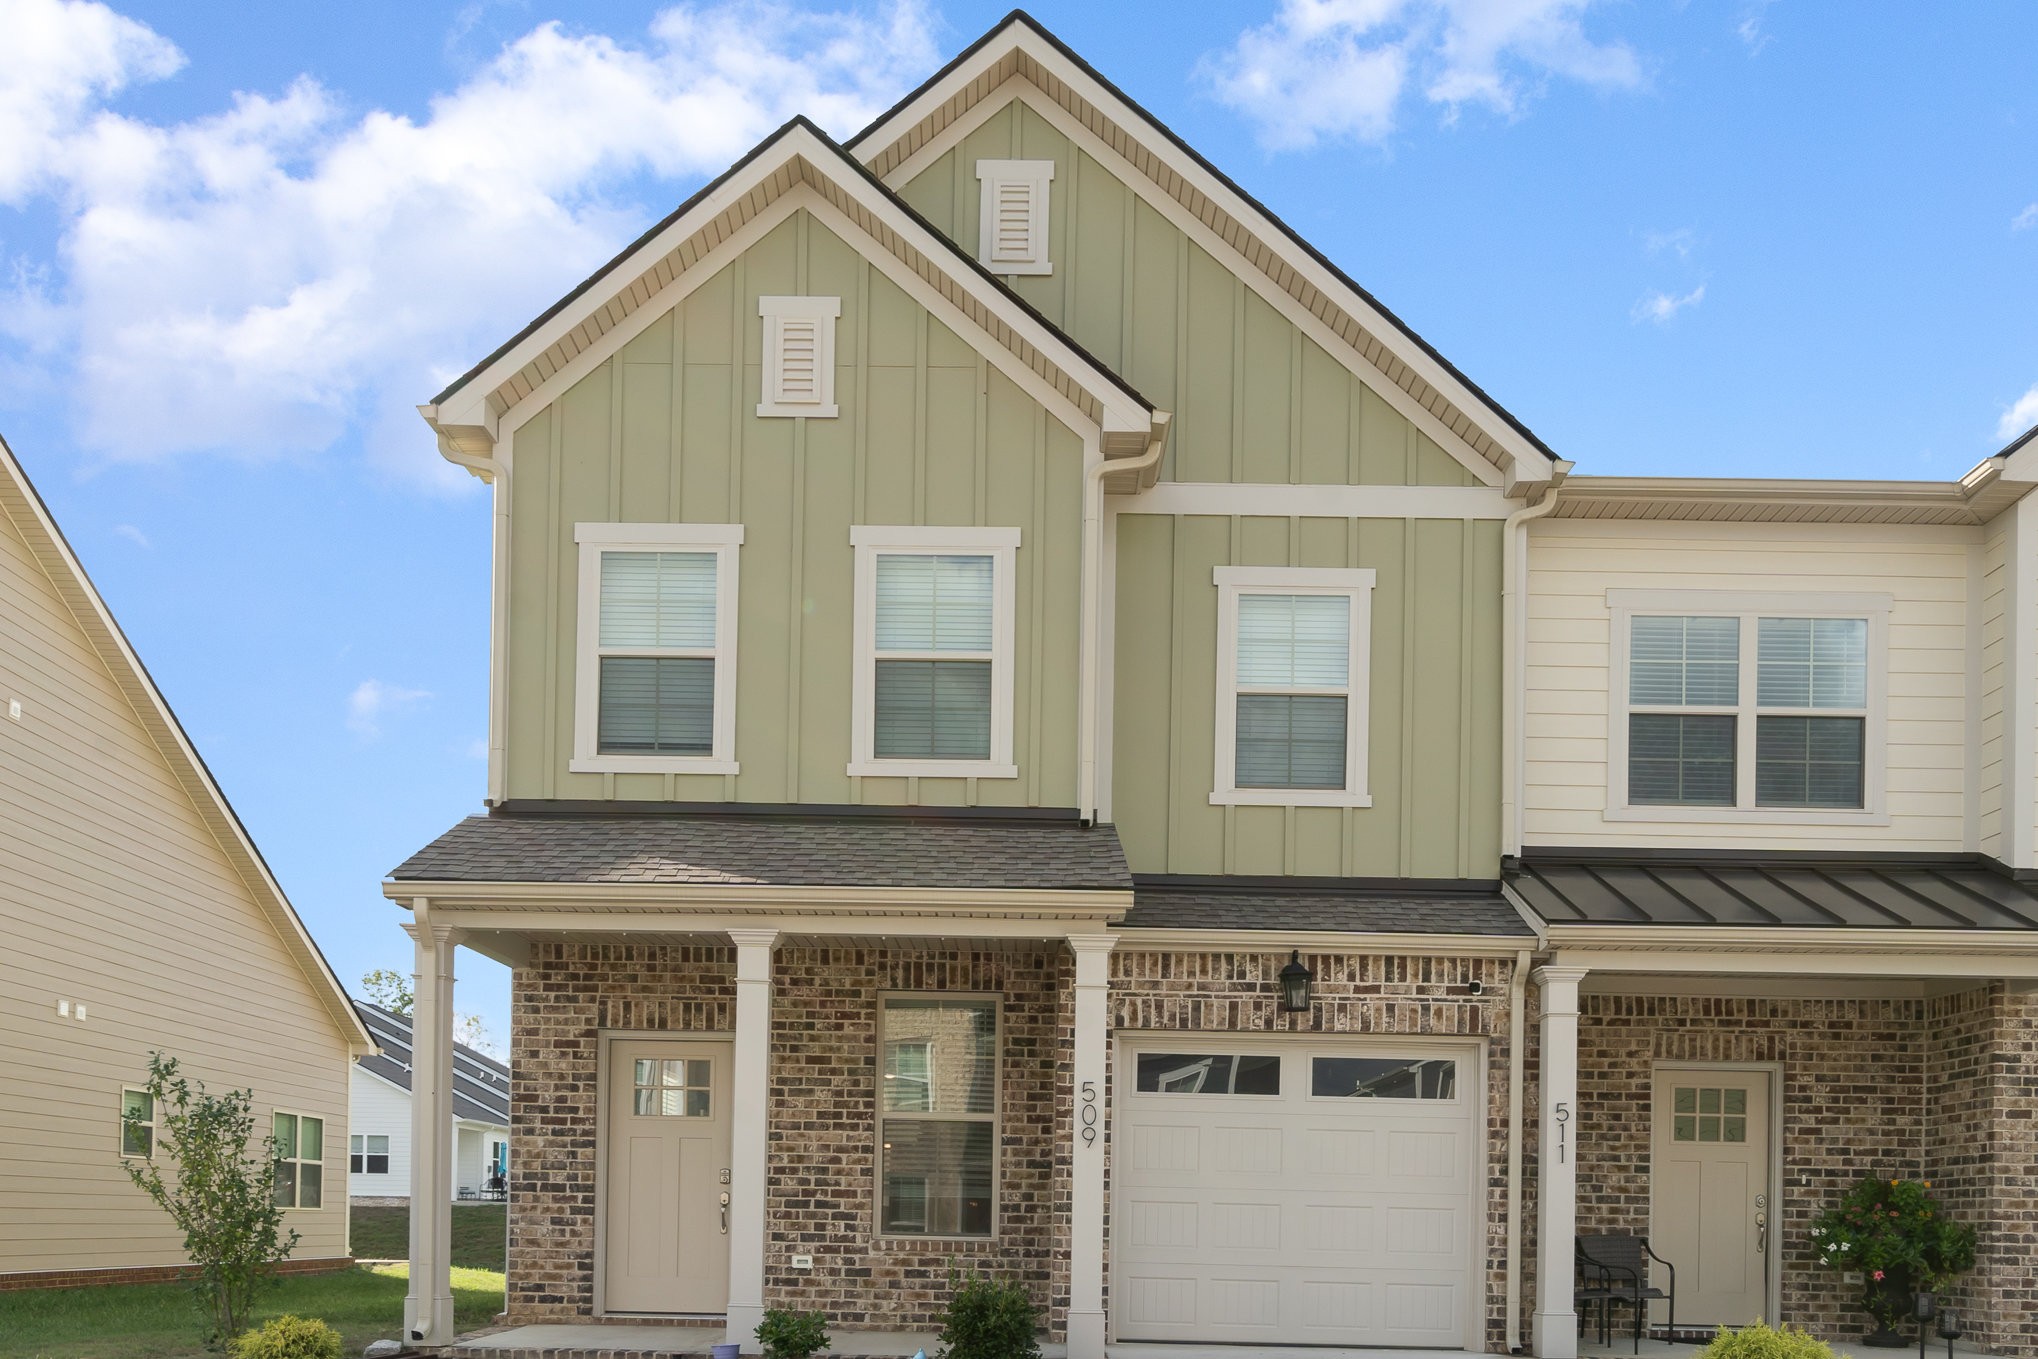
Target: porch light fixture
column 1295, row 982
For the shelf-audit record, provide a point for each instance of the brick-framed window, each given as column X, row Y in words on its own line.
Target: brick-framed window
column 937, row 1115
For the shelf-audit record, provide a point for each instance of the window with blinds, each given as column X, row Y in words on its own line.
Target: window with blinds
column 1012, row 236
column 799, row 355
column 1706, row 729
column 934, row 650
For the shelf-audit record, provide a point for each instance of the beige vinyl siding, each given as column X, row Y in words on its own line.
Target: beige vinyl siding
column 1994, row 661
column 1434, row 733
column 1572, row 564
column 1254, row 399
column 930, row 433
column 113, row 892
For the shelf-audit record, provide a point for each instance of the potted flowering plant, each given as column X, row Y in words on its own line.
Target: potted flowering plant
column 1896, row 1237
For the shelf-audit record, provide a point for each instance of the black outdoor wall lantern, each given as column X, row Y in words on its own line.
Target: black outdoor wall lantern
column 1295, row 982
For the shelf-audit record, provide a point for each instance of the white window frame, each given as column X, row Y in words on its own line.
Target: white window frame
column 149, row 1123
column 594, row 539
column 1037, row 174
column 1750, row 607
column 324, row 1187
column 366, row 1152
column 1353, row 583
column 1001, row 545
column 822, row 311
column 996, row 1118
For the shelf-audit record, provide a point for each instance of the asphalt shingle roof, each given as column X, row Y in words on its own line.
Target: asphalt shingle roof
column 481, row 1089
column 781, row 851
column 1359, row 910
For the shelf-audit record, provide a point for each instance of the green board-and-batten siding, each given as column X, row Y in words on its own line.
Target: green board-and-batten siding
column 1254, row 398
column 666, row 430
column 1434, row 733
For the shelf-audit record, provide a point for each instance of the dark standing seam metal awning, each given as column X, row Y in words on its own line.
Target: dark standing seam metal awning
column 1866, row 891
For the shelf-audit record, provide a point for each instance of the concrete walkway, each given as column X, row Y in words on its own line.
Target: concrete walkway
column 643, row 1340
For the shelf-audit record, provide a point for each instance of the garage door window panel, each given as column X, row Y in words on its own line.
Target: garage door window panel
column 938, row 1116
column 1434, row 1078
column 1201, row 1073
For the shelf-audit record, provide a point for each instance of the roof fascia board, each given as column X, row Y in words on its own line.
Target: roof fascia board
column 498, row 912
column 1531, row 463
column 1182, row 940
column 52, row 550
column 1200, row 233
column 902, row 903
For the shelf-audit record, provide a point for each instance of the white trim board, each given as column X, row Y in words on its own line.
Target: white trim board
column 1282, row 501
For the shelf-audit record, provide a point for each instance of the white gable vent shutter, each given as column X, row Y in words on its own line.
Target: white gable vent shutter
column 799, row 355
column 1013, row 236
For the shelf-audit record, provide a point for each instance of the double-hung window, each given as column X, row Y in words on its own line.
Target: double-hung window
column 1747, row 705
column 932, row 689
column 137, row 1124
column 300, row 1156
column 368, row 1154
column 1292, row 649
column 656, row 674
column 938, row 1116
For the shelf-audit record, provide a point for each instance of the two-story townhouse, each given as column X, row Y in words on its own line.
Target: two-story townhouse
column 1011, row 677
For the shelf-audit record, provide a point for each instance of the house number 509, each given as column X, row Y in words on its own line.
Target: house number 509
column 1088, row 1114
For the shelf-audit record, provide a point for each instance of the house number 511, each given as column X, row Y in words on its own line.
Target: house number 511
column 1088, row 1114
column 1562, row 1117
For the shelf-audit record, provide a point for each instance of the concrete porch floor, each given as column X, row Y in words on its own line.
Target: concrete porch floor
column 628, row 1340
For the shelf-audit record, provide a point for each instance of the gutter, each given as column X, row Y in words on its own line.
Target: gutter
column 1513, row 668
column 1091, row 642
column 493, row 470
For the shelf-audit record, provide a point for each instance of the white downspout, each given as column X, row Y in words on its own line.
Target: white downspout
column 1517, row 1059
column 1090, row 644
column 495, row 471
column 1514, row 672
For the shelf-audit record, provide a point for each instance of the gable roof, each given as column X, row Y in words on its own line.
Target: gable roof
column 481, row 1084
column 1020, row 46
column 467, row 414
column 24, row 506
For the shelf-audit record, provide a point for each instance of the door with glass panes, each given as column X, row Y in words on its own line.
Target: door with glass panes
column 666, row 1205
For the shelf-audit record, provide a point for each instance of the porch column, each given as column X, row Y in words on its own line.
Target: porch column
column 1555, row 1333
column 428, row 1305
column 1086, row 1124
column 749, row 1127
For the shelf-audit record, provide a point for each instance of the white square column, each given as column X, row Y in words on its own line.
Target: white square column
column 428, row 1305
column 749, row 1131
column 1555, row 1331
column 1086, row 1174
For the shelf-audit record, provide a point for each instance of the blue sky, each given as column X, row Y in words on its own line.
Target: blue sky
column 1708, row 238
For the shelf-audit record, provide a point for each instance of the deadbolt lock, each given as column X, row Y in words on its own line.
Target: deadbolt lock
column 725, row 1179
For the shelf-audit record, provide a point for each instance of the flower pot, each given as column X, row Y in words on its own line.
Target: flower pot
column 1889, row 1300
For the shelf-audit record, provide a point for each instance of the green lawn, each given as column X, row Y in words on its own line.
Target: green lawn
column 161, row 1321
column 480, row 1234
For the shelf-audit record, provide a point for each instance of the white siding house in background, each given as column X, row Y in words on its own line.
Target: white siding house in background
column 378, row 1150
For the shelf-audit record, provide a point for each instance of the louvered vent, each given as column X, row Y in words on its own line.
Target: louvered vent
column 799, row 355
column 1013, row 238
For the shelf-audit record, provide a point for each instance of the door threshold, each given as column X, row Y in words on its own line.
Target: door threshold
column 673, row 1318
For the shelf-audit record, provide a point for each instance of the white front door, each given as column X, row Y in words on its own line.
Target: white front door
column 1284, row 1191
column 1710, row 1204
column 666, row 1243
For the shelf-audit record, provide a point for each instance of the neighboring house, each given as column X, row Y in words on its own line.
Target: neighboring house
column 135, row 916
column 378, row 1104
column 1007, row 663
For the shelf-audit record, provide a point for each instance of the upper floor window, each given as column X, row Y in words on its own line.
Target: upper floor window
column 656, row 676
column 1292, row 649
column 932, row 691
column 799, row 355
column 1747, row 704
column 1012, row 235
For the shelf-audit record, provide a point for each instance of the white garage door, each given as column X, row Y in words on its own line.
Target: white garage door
column 1285, row 1192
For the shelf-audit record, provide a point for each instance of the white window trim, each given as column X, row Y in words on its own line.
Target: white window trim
column 822, row 311
column 996, row 1118
column 594, row 539
column 149, row 1123
column 992, row 173
column 1749, row 606
column 1355, row 584
column 320, row 1161
column 871, row 542
column 366, row 1151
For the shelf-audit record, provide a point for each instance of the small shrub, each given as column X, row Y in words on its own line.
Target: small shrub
column 288, row 1337
column 786, row 1334
column 1765, row 1342
column 988, row 1320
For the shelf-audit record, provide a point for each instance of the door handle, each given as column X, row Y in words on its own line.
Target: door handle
column 725, row 1214
column 1761, row 1233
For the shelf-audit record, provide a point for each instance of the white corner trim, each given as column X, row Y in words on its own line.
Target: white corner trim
column 799, row 356
column 1012, row 190
column 722, row 540
column 1342, row 501
column 1356, row 585
column 872, row 541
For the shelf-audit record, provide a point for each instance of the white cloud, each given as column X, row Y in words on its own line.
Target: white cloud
column 2026, row 219
column 133, row 535
column 2021, row 415
column 1681, row 242
column 1661, row 307
column 373, row 700
column 1342, row 68
column 268, row 277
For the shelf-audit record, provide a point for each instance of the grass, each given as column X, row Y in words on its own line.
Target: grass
column 480, row 1234
column 162, row 1321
